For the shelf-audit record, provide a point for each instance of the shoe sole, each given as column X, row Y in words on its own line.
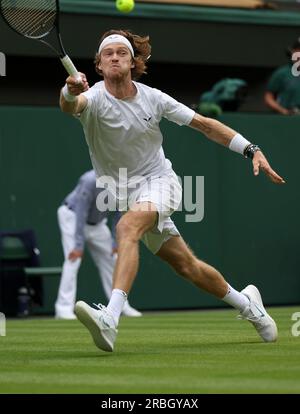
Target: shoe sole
column 258, row 299
column 132, row 315
column 61, row 318
column 82, row 313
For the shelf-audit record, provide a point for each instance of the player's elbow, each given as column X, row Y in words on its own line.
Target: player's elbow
column 202, row 123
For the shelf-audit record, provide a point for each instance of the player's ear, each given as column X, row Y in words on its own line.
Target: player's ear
column 132, row 64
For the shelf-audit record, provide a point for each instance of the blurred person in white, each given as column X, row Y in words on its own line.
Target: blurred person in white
column 81, row 223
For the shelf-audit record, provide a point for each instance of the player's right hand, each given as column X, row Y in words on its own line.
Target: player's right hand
column 76, row 88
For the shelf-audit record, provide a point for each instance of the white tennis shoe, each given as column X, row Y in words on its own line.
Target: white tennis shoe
column 65, row 316
column 258, row 316
column 130, row 311
column 100, row 323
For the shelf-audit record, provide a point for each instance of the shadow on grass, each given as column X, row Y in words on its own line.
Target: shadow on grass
column 156, row 350
column 151, row 349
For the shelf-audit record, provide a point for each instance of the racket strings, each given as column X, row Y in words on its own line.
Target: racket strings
column 27, row 24
column 42, row 24
column 32, row 18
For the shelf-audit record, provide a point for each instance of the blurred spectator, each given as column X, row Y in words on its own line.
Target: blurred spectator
column 283, row 89
column 82, row 223
column 226, row 95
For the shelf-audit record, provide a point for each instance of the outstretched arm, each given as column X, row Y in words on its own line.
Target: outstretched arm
column 71, row 100
column 222, row 134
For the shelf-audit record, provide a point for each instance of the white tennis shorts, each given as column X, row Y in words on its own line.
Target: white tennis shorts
column 165, row 193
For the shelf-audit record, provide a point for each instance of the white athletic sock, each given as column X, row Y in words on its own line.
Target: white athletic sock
column 236, row 299
column 116, row 303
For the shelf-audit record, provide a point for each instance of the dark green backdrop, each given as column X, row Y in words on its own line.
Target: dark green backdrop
column 250, row 229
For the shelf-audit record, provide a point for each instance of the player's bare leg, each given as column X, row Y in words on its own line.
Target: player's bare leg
column 130, row 229
column 248, row 301
column 102, row 323
column 176, row 252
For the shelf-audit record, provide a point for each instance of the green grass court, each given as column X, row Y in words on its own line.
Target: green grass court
column 181, row 352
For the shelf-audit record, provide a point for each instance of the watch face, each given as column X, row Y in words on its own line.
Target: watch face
column 251, row 150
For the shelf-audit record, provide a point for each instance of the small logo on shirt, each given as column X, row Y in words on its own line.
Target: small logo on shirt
column 147, row 119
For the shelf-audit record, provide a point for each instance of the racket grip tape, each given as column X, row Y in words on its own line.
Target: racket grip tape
column 70, row 68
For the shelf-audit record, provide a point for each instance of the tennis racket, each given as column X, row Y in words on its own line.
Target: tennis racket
column 37, row 19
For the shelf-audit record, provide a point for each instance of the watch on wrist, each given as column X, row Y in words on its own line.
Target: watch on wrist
column 250, row 150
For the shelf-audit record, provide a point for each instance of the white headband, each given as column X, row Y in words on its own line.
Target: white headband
column 115, row 38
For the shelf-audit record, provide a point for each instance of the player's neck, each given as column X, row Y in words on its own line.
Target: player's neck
column 121, row 89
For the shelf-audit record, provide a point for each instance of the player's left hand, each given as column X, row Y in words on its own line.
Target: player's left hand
column 75, row 254
column 260, row 163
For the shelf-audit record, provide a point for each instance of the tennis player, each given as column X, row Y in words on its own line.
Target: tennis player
column 120, row 118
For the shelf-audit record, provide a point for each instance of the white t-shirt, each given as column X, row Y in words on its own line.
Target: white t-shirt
column 125, row 133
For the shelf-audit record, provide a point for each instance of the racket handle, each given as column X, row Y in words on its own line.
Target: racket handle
column 70, row 68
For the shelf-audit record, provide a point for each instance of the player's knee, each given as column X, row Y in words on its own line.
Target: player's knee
column 127, row 229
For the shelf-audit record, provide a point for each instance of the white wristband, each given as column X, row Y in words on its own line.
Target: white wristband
column 238, row 144
column 66, row 94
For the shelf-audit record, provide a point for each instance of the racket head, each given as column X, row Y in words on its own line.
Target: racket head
column 34, row 19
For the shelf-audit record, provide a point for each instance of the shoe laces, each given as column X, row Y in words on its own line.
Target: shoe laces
column 99, row 306
column 106, row 313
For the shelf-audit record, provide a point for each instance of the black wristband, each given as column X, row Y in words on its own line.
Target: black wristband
column 250, row 150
